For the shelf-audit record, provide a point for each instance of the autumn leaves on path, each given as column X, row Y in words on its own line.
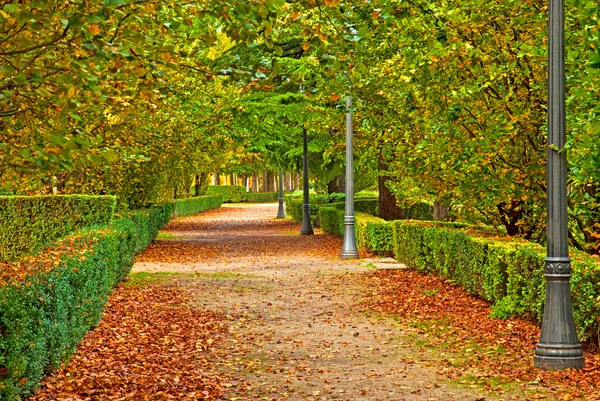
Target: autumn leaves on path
column 233, row 304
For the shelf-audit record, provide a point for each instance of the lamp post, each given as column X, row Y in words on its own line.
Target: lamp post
column 306, row 225
column 559, row 347
column 281, row 210
column 349, row 250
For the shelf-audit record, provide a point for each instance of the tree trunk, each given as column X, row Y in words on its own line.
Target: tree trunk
column 296, row 181
column 388, row 204
column 263, row 187
column 440, row 212
column 338, row 184
column 269, row 186
column 216, row 179
column 254, row 182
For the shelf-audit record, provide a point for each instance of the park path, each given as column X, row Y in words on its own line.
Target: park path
column 296, row 330
column 233, row 304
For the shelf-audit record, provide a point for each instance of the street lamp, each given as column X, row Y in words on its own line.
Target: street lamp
column 349, row 250
column 306, row 225
column 559, row 347
column 281, row 210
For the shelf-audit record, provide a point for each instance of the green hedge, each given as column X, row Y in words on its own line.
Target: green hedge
column 191, row 206
column 509, row 274
column 27, row 224
column 229, row 193
column 48, row 309
column 331, row 220
column 293, row 205
column 373, row 234
column 261, row 197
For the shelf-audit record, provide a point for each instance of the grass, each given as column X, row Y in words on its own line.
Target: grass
column 145, row 278
column 165, row 235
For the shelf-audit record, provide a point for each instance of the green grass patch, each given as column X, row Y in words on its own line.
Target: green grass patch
column 166, row 235
column 144, row 278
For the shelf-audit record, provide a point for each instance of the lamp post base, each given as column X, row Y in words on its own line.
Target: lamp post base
column 349, row 255
column 281, row 210
column 558, row 363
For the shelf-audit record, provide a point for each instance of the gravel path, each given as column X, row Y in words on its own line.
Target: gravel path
column 296, row 330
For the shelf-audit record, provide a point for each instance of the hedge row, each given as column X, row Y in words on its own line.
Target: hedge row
column 509, row 274
column 261, row 197
column 295, row 211
column 373, row 234
column 60, row 296
column 29, row 223
column 191, row 206
column 238, row 194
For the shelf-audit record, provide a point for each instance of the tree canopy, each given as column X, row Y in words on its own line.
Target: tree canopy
column 137, row 98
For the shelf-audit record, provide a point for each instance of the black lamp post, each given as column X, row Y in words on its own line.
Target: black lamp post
column 349, row 250
column 306, row 225
column 281, row 210
column 559, row 347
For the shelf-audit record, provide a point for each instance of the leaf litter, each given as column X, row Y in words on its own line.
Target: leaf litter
column 277, row 316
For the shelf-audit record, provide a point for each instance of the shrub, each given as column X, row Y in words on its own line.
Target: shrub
column 507, row 273
column 418, row 211
column 27, row 224
column 331, row 220
column 60, row 293
column 229, row 193
column 191, row 206
column 262, row 197
column 373, row 234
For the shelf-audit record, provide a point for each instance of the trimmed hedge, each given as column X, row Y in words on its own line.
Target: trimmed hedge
column 229, row 193
column 293, row 205
column 49, row 310
column 373, row 234
column 29, row 223
column 509, row 274
column 61, row 291
column 261, row 197
column 198, row 204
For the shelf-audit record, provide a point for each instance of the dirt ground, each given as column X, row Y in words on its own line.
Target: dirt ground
column 295, row 327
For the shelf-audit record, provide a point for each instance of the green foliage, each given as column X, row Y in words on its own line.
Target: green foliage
column 27, row 224
column 229, row 193
column 261, row 197
column 374, row 234
column 509, row 274
column 148, row 222
column 418, row 211
column 45, row 317
column 191, row 206
column 331, row 220
column 46, row 313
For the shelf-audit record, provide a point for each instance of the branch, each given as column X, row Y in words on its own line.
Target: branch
column 27, row 50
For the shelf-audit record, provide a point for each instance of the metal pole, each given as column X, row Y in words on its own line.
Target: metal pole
column 349, row 250
column 306, row 225
column 559, row 347
column 281, row 210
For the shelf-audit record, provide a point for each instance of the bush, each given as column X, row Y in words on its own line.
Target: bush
column 507, row 273
column 229, row 193
column 191, row 206
column 262, row 197
column 51, row 299
column 331, row 220
column 27, row 224
column 418, row 211
column 148, row 222
column 372, row 233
